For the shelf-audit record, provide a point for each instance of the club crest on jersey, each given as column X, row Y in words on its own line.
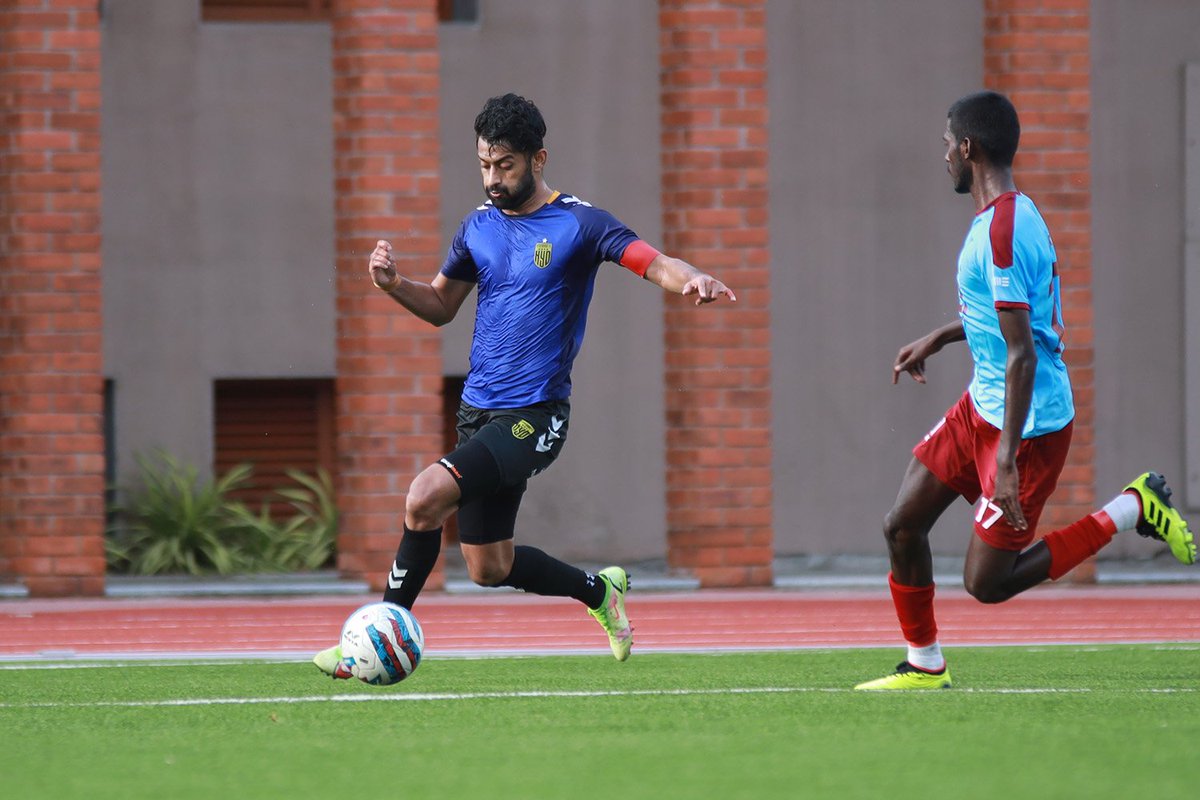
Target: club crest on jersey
column 541, row 254
column 522, row 429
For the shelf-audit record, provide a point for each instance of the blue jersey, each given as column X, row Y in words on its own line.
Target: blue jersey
column 1008, row 261
column 535, row 276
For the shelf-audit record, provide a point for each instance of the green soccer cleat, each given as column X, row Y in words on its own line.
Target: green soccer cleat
column 1159, row 519
column 907, row 677
column 331, row 663
column 611, row 613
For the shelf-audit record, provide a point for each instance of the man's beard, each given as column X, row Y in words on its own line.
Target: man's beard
column 518, row 197
column 962, row 184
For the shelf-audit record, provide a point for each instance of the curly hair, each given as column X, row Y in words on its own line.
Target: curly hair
column 512, row 121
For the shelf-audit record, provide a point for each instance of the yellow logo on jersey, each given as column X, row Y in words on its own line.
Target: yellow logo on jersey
column 541, row 254
column 522, row 429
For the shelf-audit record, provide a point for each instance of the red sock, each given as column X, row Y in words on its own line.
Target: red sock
column 914, row 607
column 1079, row 541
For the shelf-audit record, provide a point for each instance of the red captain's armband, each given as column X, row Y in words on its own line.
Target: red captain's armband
column 637, row 257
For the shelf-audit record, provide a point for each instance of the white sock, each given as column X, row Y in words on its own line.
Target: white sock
column 1124, row 510
column 928, row 658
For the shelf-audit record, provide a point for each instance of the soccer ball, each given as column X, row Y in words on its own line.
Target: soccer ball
column 382, row 643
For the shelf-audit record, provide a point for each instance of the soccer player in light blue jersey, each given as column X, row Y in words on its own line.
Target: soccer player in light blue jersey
column 1004, row 443
column 533, row 254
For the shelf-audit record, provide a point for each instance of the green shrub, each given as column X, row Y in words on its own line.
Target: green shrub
column 171, row 522
column 304, row 541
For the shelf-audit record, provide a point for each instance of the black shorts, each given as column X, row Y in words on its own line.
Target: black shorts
column 498, row 451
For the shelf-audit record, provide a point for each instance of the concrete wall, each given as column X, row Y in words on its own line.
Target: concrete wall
column 218, row 241
column 1191, row 209
column 865, row 231
column 595, row 78
column 1139, row 53
column 217, row 225
column 217, row 214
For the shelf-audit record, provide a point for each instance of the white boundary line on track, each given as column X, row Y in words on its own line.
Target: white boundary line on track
column 69, row 659
column 442, row 697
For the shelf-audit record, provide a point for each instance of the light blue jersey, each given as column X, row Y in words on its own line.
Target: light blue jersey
column 1008, row 261
column 535, row 274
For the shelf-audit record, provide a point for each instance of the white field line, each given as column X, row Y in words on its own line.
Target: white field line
column 536, row 695
column 71, row 660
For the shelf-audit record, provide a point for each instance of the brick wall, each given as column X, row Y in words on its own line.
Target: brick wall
column 714, row 172
column 1038, row 53
column 389, row 369
column 51, row 383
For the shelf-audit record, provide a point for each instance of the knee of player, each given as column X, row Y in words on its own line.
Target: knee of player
column 985, row 590
column 487, row 574
column 419, row 508
column 424, row 504
column 897, row 530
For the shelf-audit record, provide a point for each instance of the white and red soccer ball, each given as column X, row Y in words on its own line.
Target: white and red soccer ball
column 381, row 644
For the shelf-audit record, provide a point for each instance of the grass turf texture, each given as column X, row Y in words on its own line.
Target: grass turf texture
column 1093, row 726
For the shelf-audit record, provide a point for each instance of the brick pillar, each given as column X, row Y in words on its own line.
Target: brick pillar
column 718, row 370
column 51, row 379
column 1037, row 53
column 389, row 368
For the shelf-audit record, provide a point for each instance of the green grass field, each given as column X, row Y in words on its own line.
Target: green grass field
column 1046, row 722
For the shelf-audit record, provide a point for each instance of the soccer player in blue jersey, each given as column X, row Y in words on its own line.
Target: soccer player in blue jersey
column 533, row 253
column 1004, row 443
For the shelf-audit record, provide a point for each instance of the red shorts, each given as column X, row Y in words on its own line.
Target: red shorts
column 961, row 452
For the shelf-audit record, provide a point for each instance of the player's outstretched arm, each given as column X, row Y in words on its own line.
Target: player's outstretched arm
column 911, row 358
column 680, row 277
column 437, row 302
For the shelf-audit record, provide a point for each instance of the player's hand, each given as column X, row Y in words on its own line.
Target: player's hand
column 1006, row 495
column 911, row 359
column 382, row 267
column 707, row 289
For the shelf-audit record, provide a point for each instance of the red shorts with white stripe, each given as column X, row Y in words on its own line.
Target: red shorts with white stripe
column 961, row 452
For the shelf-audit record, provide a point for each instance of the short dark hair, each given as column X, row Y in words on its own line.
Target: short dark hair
column 512, row 121
column 989, row 120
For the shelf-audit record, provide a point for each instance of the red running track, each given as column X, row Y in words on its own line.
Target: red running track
column 512, row 623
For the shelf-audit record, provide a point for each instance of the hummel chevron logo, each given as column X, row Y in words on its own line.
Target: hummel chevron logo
column 546, row 440
column 396, row 578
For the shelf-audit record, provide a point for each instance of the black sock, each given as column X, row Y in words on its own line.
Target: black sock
column 414, row 561
column 535, row 571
